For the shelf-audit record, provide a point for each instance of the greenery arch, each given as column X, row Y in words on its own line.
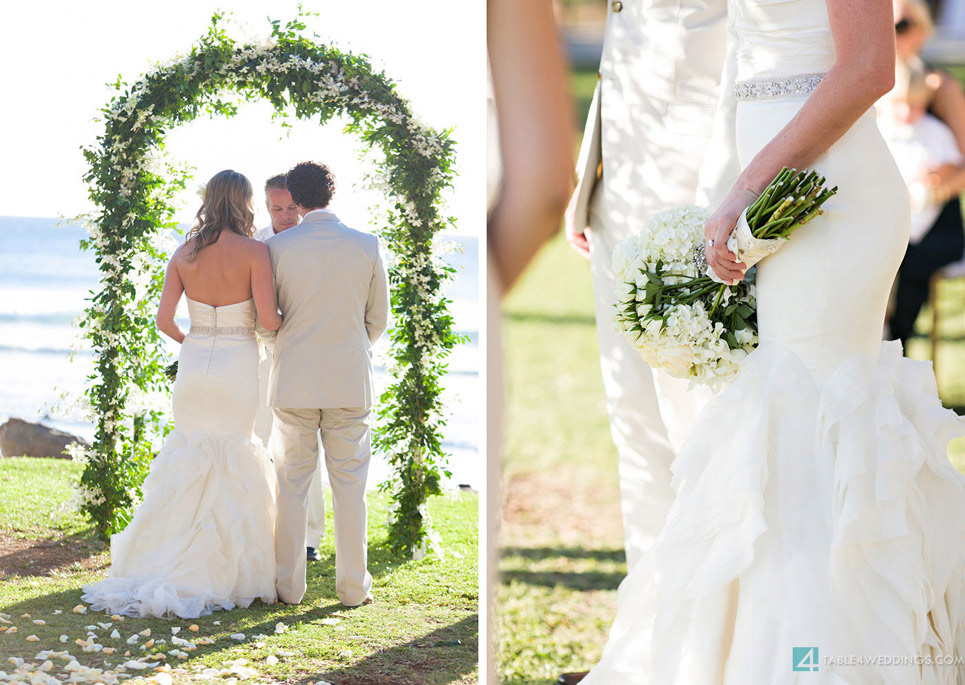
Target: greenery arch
column 133, row 187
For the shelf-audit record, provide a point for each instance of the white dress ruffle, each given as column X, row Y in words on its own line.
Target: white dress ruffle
column 203, row 537
column 805, row 516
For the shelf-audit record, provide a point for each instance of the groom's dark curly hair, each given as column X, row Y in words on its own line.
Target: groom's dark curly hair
column 311, row 184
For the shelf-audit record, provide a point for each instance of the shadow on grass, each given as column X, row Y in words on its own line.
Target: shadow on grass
column 540, row 553
column 321, row 574
column 451, row 650
column 583, row 581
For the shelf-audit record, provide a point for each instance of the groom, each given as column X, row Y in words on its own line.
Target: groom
column 656, row 136
column 332, row 289
column 284, row 215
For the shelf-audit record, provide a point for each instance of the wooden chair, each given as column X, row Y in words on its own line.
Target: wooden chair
column 952, row 272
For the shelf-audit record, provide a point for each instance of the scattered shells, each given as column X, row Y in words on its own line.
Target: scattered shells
column 39, row 622
column 193, row 628
column 145, row 633
column 64, row 638
column 33, row 638
column 271, row 660
column 79, row 609
column 238, row 636
column 280, row 628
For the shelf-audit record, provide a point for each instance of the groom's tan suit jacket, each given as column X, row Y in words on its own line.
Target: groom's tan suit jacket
column 332, row 289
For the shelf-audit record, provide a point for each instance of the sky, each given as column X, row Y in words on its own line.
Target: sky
column 58, row 56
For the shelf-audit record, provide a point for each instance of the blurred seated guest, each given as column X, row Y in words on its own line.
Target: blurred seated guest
column 942, row 242
column 924, row 147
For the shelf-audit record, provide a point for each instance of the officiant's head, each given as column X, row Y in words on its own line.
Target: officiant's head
column 281, row 206
column 228, row 205
column 311, row 186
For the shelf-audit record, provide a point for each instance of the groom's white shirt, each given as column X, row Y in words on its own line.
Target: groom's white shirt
column 332, row 288
column 648, row 136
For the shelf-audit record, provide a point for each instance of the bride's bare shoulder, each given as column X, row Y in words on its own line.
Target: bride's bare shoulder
column 254, row 249
column 183, row 250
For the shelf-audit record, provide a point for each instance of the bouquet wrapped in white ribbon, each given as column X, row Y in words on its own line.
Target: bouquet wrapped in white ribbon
column 675, row 310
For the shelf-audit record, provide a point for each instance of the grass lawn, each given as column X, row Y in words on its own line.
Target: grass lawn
column 422, row 628
column 562, row 539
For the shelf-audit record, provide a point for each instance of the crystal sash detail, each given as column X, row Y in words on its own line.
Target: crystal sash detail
column 799, row 85
column 221, row 330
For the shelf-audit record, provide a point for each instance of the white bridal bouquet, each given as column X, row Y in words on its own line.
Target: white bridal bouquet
column 670, row 303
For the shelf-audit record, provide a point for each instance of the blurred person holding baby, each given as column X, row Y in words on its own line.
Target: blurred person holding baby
column 923, row 122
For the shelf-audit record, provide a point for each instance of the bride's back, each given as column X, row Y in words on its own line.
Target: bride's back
column 220, row 274
column 215, row 263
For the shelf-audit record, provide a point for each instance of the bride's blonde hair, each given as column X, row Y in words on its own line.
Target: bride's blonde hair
column 227, row 205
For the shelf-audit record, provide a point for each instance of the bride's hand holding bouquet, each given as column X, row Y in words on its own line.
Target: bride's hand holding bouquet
column 682, row 296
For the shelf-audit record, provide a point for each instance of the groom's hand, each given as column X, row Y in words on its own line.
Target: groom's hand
column 575, row 235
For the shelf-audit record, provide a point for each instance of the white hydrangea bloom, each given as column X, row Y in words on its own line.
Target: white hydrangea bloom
column 684, row 340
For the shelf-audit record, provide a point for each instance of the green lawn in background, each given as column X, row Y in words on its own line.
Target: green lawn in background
column 421, row 629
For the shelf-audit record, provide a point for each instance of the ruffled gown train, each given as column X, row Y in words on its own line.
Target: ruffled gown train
column 202, row 539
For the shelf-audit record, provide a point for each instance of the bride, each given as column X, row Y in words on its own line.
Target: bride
column 203, row 537
column 818, row 529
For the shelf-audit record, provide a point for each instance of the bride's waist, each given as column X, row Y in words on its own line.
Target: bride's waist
column 797, row 52
column 202, row 331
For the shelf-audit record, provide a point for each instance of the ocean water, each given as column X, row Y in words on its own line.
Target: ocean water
column 45, row 280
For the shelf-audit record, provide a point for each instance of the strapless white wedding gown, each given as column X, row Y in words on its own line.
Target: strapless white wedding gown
column 817, row 520
column 203, row 537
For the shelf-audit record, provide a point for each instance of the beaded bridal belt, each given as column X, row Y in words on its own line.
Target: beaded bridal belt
column 778, row 87
column 222, row 330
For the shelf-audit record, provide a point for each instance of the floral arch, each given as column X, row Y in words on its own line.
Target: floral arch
column 133, row 188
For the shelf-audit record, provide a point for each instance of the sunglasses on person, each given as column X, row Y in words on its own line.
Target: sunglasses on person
column 903, row 25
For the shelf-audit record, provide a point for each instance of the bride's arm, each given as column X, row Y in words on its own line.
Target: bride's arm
column 864, row 70
column 263, row 289
column 170, row 296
